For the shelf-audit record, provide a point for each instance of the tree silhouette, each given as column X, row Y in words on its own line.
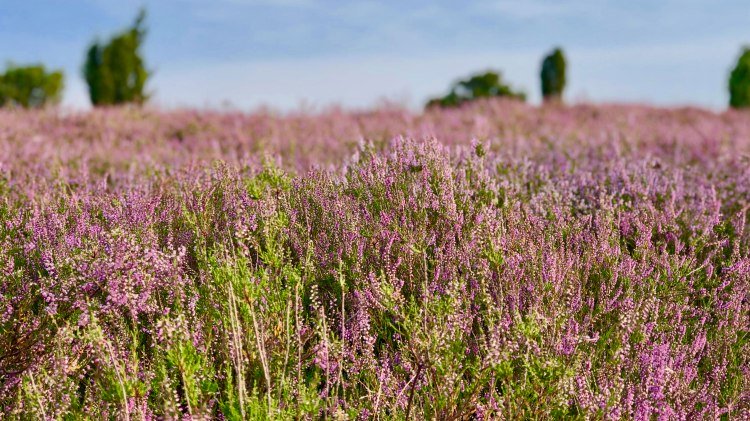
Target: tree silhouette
column 553, row 75
column 483, row 85
column 115, row 72
column 739, row 81
column 30, row 86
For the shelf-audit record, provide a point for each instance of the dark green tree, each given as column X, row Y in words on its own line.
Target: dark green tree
column 553, row 75
column 483, row 85
column 30, row 86
column 739, row 81
column 115, row 72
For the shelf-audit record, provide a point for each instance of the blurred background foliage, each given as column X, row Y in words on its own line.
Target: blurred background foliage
column 30, row 86
column 739, row 81
column 115, row 72
column 483, row 85
column 553, row 75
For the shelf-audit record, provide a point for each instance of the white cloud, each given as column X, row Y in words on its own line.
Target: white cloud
column 529, row 9
column 663, row 74
column 349, row 81
column 667, row 72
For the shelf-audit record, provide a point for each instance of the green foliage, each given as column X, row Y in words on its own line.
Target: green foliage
column 30, row 86
column 553, row 75
column 739, row 82
column 484, row 85
column 410, row 284
column 115, row 71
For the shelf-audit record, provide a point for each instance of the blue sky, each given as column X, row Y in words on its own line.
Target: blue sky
column 292, row 53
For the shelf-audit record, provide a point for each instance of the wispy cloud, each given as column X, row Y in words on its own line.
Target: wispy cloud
column 629, row 73
column 352, row 81
column 529, row 9
column 282, row 51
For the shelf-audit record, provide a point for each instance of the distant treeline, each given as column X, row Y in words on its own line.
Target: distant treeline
column 553, row 80
column 114, row 71
column 116, row 74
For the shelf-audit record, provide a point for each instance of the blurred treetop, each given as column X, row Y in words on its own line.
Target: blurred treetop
column 30, row 86
column 483, row 85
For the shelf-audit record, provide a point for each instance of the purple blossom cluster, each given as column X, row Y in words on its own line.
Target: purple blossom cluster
column 495, row 261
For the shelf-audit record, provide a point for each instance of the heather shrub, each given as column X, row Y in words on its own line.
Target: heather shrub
column 581, row 267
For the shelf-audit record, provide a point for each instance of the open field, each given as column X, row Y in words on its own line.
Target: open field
column 493, row 261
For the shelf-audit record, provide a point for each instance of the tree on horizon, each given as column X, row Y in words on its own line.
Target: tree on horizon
column 553, row 75
column 480, row 85
column 115, row 72
column 739, row 81
column 30, row 86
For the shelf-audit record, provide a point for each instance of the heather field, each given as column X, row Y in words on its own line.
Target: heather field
column 495, row 261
